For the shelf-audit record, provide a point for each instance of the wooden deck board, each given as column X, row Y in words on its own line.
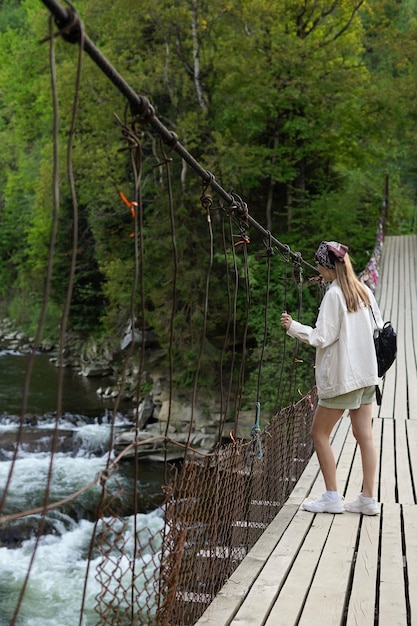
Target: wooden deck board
column 411, row 426
column 388, row 393
column 377, row 431
column 325, row 601
column 292, row 594
column 410, row 531
column 410, row 333
column 387, row 483
column 392, row 604
column 403, row 469
column 264, row 592
column 361, row 608
column 347, row 569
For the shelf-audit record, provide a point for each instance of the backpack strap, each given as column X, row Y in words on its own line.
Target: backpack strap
column 372, row 311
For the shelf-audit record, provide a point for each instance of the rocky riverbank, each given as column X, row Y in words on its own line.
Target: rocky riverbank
column 154, row 411
column 16, row 340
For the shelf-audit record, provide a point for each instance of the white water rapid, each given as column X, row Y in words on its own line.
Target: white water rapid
column 54, row 592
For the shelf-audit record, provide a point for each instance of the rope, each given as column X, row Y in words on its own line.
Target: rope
column 48, row 280
column 268, row 255
column 64, row 320
column 166, row 161
column 256, row 431
column 286, row 257
column 242, row 368
column 230, row 327
column 206, row 202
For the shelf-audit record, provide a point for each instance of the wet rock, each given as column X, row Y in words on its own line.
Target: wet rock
column 96, row 370
column 13, row 534
column 135, row 333
column 33, row 440
column 107, row 392
column 145, row 410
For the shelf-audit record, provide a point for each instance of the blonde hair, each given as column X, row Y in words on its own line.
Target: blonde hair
column 354, row 291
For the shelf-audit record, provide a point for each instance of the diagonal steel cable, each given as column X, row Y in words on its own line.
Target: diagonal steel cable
column 69, row 25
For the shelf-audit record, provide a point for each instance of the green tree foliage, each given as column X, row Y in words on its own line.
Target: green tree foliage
column 302, row 108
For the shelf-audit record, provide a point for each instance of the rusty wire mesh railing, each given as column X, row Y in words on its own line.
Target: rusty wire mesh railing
column 221, row 504
column 215, row 509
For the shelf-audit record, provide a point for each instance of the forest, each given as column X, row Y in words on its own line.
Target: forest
column 301, row 107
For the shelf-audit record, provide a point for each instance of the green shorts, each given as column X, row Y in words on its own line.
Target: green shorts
column 351, row 400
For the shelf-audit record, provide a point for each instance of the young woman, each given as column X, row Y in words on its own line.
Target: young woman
column 346, row 373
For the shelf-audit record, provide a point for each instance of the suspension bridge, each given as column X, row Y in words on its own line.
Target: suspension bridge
column 347, row 569
column 234, row 546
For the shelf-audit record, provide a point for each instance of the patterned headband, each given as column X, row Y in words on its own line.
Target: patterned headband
column 322, row 255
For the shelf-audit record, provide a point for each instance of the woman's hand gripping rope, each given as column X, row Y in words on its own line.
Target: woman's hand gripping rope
column 286, row 320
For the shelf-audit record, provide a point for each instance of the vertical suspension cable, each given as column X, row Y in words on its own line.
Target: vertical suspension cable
column 296, row 277
column 266, row 309
column 206, row 202
column 47, row 286
column 64, row 319
column 167, row 163
column 279, row 394
column 136, row 161
column 225, row 397
column 241, row 377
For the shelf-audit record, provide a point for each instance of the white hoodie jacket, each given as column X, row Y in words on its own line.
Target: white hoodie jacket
column 345, row 351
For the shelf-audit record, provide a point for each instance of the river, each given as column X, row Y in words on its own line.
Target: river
column 54, row 592
column 79, row 392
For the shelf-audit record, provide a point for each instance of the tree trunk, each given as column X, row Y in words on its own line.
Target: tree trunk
column 196, row 57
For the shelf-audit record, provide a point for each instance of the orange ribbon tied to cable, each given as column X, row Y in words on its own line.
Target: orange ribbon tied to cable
column 132, row 206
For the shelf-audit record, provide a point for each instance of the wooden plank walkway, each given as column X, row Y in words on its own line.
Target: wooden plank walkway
column 347, row 569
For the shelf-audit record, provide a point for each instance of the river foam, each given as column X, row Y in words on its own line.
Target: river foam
column 55, row 588
column 54, row 591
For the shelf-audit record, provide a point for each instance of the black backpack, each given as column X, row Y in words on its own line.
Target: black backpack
column 385, row 340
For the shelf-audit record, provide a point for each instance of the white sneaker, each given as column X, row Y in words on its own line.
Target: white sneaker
column 325, row 504
column 366, row 506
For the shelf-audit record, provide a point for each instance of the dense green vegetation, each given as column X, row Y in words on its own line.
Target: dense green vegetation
column 301, row 107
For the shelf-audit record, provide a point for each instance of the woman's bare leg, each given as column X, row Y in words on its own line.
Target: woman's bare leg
column 362, row 430
column 323, row 423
